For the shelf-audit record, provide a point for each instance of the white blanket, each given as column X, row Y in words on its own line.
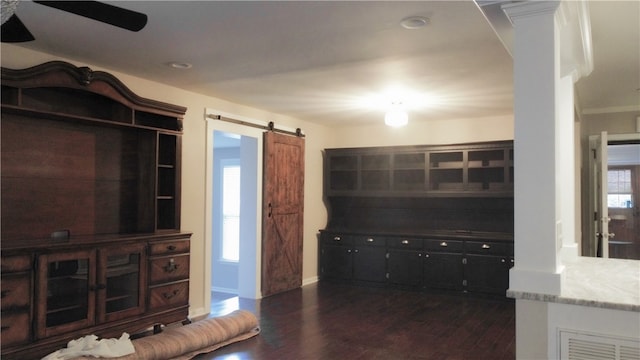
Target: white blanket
column 91, row 346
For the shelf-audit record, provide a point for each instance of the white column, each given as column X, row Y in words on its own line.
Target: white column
column 566, row 164
column 538, row 226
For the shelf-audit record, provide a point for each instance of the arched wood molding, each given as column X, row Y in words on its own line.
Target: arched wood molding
column 66, row 75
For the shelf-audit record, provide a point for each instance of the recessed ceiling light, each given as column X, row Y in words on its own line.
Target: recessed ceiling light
column 180, row 65
column 414, row 22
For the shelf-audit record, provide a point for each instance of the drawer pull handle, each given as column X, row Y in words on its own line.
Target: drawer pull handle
column 4, row 293
column 171, row 247
column 171, row 266
column 405, row 242
column 444, row 244
column 169, row 295
column 370, row 240
column 337, row 238
column 486, row 246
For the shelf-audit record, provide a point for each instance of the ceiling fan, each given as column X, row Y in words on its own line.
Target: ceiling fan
column 13, row 30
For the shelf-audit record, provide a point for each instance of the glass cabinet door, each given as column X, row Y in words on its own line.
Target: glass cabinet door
column 66, row 282
column 122, row 273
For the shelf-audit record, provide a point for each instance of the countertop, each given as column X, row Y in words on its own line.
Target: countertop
column 595, row 282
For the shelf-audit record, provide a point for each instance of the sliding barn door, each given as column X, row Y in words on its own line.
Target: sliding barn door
column 282, row 213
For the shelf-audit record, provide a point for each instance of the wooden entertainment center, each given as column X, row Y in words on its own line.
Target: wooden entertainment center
column 91, row 240
column 429, row 218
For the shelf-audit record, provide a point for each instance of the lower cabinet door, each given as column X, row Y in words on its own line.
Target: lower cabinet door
column 443, row 271
column 65, row 292
column 369, row 264
column 487, row 274
column 404, row 267
column 336, row 262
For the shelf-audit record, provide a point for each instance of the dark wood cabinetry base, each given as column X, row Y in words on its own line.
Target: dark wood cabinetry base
column 470, row 264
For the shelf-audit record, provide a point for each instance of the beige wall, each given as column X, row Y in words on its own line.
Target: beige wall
column 420, row 132
column 317, row 138
column 614, row 123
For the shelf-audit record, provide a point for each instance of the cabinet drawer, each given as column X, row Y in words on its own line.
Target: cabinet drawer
column 405, row 243
column 369, row 240
column 169, row 247
column 169, row 295
column 445, row 245
column 486, row 247
column 15, row 328
column 15, row 263
column 15, row 291
column 336, row 239
column 169, row 268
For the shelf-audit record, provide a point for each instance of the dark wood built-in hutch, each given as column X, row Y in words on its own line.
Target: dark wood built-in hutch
column 420, row 217
column 91, row 240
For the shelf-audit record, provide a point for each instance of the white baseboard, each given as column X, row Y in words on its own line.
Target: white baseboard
column 224, row 290
column 309, row 281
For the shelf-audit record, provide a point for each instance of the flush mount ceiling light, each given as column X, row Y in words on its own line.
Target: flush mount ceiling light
column 414, row 22
column 396, row 116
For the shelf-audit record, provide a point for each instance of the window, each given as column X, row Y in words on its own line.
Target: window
column 231, row 213
column 619, row 189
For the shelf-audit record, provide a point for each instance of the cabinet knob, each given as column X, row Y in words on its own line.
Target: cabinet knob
column 337, row 238
column 355, row 251
column 503, row 261
column 171, row 247
column 405, row 242
column 171, row 266
column 370, row 240
column 444, row 244
column 486, row 246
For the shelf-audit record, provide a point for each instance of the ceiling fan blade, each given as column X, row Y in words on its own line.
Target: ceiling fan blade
column 14, row 31
column 109, row 14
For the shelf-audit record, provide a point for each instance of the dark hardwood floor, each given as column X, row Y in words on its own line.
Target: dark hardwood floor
column 333, row 321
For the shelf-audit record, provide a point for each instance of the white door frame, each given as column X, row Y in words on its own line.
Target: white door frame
column 249, row 270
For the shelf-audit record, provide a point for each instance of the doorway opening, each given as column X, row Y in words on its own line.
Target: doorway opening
column 615, row 189
column 234, row 209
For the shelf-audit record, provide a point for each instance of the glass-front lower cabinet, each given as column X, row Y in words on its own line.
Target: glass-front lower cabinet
column 80, row 288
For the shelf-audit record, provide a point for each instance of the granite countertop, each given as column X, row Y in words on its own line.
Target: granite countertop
column 595, row 282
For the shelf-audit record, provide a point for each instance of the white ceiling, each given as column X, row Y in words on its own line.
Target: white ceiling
column 330, row 62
